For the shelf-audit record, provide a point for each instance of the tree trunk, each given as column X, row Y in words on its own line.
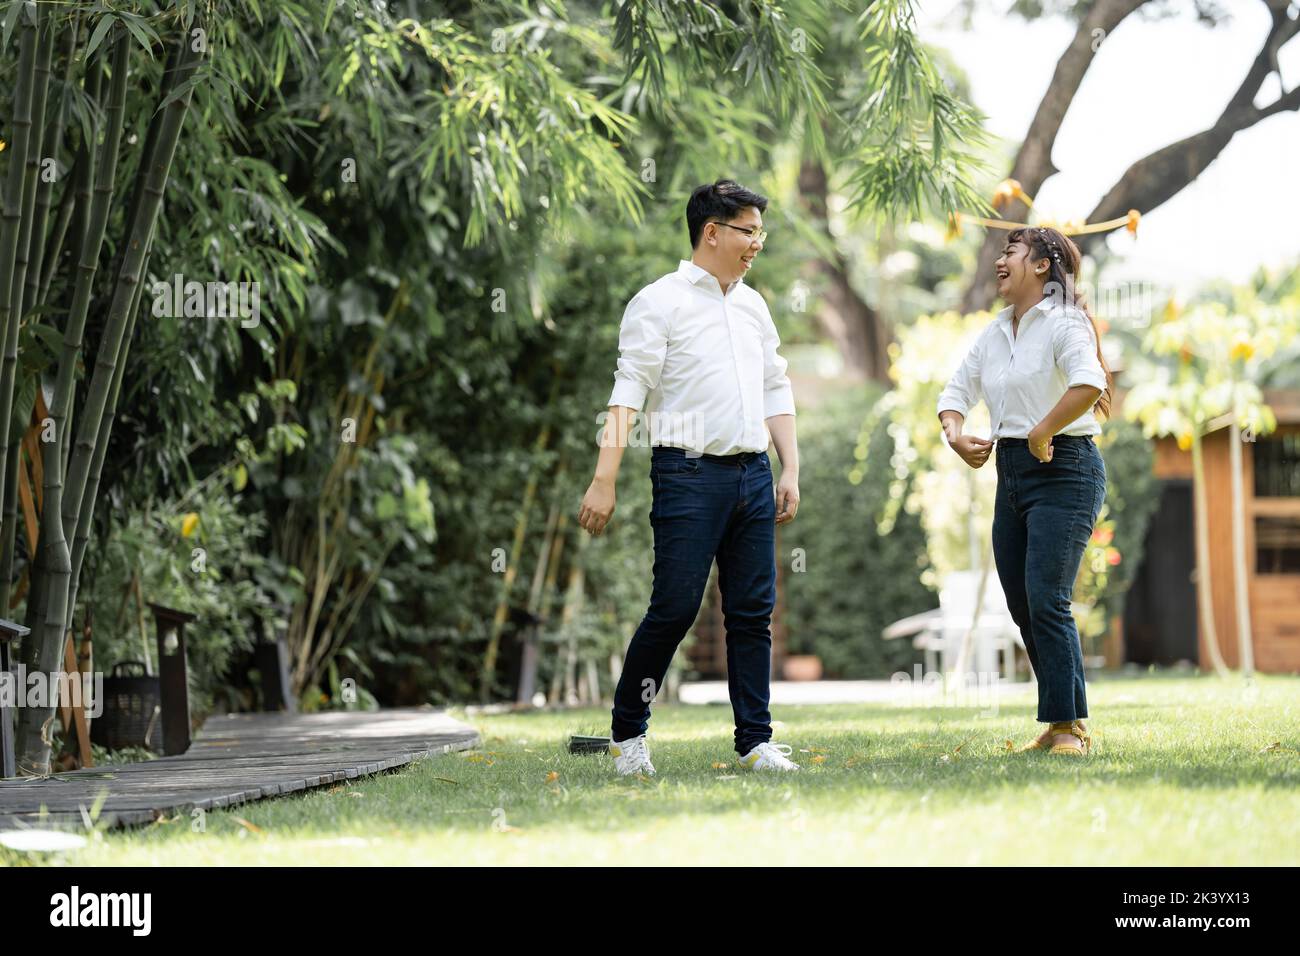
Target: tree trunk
column 1159, row 176
column 1033, row 163
column 858, row 329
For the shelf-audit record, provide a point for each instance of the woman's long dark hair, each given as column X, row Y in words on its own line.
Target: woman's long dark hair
column 1064, row 261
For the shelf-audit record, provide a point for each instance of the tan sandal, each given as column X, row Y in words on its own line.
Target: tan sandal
column 1044, row 740
column 1038, row 743
column 1075, row 729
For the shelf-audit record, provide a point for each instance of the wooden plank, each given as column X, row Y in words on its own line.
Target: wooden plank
column 236, row 759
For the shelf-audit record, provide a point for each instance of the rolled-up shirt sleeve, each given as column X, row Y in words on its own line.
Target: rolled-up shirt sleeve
column 1074, row 345
column 642, row 345
column 778, row 395
column 963, row 390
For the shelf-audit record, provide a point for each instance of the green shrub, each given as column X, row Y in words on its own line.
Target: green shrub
column 862, row 568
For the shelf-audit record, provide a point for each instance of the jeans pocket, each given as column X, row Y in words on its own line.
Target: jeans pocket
column 675, row 466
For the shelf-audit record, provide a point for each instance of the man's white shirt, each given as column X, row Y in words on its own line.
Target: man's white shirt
column 702, row 366
column 1021, row 378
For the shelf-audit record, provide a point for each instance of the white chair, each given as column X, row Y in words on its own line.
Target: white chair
column 995, row 635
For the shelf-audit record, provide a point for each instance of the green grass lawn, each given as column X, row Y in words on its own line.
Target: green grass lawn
column 1184, row 771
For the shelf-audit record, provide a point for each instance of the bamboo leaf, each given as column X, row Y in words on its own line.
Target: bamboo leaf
column 180, row 90
column 97, row 37
column 11, row 19
column 143, row 33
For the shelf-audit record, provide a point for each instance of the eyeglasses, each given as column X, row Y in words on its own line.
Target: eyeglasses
column 754, row 236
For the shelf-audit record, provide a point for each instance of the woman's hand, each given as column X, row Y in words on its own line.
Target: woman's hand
column 974, row 451
column 1040, row 444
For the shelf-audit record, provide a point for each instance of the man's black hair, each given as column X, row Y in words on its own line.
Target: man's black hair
column 723, row 200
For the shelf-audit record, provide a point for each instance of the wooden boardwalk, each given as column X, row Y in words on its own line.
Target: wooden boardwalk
column 234, row 759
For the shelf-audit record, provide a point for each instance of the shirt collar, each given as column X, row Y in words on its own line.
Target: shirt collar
column 1040, row 308
column 695, row 274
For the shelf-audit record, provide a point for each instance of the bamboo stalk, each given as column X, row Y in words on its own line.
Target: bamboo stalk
column 50, row 150
column 312, row 644
column 512, row 567
column 7, row 530
column 81, row 537
column 88, row 264
column 10, row 223
column 31, row 161
column 67, row 203
column 573, row 600
column 113, row 346
column 93, row 432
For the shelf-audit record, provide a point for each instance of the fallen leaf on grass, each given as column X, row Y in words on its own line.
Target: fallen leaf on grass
column 1008, row 745
column 448, row 780
column 252, row 827
column 820, row 758
column 719, row 765
column 552, row 776
column 1276, row 748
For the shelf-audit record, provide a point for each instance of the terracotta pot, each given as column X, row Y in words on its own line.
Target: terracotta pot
column 802, row 667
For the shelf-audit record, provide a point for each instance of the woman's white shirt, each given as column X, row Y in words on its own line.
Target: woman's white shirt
column 1022, row 377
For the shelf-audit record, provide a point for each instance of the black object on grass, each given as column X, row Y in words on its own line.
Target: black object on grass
column 579, row 744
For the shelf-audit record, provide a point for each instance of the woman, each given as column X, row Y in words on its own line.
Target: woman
column 1039, row 368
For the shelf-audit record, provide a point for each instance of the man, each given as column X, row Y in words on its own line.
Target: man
column 698, row 350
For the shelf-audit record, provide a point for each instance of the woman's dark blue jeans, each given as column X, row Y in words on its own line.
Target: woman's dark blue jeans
column 1042, row 521
column 706, row 508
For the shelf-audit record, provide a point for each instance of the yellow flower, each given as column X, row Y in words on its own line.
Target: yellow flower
column 954, row 227
column 188, row 524
column 3, row 145
column 1184, row 441
column 1005, row 192
column 1242, row 347
column 1134, row 217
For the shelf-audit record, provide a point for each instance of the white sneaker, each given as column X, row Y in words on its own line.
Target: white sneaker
column 632, row 756
column 769, row 756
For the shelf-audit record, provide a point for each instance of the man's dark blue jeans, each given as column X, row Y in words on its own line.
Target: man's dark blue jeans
column 706, row 508
column 1042, row 520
